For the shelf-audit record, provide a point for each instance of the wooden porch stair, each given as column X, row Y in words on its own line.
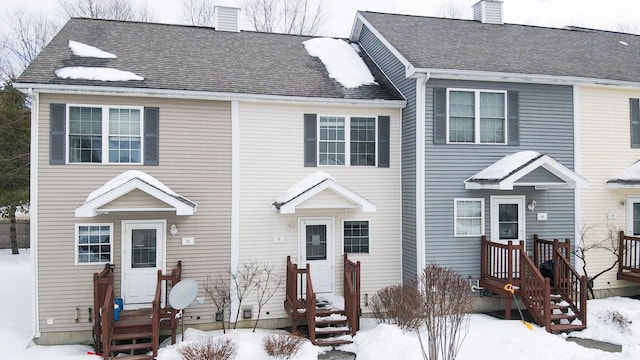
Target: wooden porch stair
column 327, row 326
column 557, row 308
column 136, row 335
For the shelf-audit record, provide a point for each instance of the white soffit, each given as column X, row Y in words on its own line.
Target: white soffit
column 505, row 173
column 315, row 184
column 125, row 183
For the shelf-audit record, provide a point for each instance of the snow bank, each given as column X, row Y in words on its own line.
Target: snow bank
column 84, row 50
column 96, row 73
column 341, row 60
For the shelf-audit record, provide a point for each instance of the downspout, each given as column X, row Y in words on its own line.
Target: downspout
column 33, row 211
column 235, row 204
column 420, row 169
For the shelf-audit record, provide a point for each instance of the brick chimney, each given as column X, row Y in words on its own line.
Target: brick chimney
column 488, row 12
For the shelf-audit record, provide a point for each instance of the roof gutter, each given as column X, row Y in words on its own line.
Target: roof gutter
column 452, row 74
column 196, row 95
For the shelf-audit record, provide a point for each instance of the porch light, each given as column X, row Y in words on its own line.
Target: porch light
column 173, row 230
column 532, row 205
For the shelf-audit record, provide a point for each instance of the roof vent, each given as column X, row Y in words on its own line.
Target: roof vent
column 488, row 12
column 226, row 18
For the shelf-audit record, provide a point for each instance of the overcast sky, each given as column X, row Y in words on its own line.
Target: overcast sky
column 609, row 15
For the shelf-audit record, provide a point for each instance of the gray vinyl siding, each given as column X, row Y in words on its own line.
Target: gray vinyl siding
column 395, row 72
column 546, row 126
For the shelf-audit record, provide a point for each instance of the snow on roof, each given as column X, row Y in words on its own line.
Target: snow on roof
column 84, row 50
column 341, row 60
column 507, row 165
column 126, row 177
column 96, row 73
column 632, row 173
column 304, row 185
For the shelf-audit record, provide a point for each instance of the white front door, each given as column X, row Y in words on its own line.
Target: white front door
column 507, row 219
column 316, row 245
column 142, row 257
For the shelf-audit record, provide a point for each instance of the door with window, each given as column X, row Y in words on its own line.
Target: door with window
column 508, row 223
column 142, row 257
column 632, row 250
column 316, row 245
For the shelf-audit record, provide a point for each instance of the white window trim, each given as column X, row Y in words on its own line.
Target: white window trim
column 77, row 244
column 370, row 238
column 455, row 217
column 347, row 140
column 630, row 201
column 476, row 122
column 105, row 133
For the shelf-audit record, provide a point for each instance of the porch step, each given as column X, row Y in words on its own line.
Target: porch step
column 135, row 357
column 130, row 347
column 566, row 328
column 132, row 335
column 332, row 342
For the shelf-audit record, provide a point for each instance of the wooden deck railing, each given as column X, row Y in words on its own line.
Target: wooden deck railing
column 106, row 321
column 311, row 307
column 543, row 249
column 570, row 284
column 102, row 291
column 295, row 293
column 352, row 293
column 166, row 314
column 535, row 292
column 498, row 262
column 628, row 257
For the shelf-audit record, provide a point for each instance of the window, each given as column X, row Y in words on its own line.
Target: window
column 476, row 116
column 94, row 243
column 98, row 130
column 469, row 217
column 336, row 131
column 356, row 236
column 633, row 215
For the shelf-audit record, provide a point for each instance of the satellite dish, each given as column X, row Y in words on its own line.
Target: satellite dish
column 183, row 293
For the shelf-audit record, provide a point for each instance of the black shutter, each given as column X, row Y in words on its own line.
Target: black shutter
column 635, row 122
column 383, row 141
column 310, row 139
column 439, row 116
column 513, row 118
column 151, row 135
column 57, row 133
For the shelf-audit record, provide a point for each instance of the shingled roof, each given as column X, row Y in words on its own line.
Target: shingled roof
column 175, row 57
column 467, row 45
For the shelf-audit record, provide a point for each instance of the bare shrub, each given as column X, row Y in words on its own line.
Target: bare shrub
column 398, row 304
column 282, row 346
column 621, row 321
column 209, row 349
column 266, row 286
column 445, row 312
column 220, row 295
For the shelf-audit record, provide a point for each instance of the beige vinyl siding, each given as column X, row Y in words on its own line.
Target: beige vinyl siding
column 271, row 161
column 605, row 151
column 195, row 161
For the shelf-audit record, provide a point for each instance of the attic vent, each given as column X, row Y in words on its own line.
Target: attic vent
column 488, row 12
column 226, row 18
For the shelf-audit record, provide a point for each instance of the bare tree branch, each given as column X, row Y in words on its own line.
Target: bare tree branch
column 198, row 12
column 303, row 17
column 452, row 9
column 106, row 9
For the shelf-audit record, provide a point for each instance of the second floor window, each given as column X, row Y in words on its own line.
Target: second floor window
column 477, row 117
column 105, row 134
column 347, row 141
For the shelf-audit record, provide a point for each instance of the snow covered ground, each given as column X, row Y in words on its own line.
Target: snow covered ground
column 615, row 320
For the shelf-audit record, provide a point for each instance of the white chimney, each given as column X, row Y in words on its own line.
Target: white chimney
column 488, row 12
column 226, row 18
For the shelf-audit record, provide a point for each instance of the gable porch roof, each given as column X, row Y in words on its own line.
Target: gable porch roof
column 314, row 184
column 127, row 182
column 507, row 172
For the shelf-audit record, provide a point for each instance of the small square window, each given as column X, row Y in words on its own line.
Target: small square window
column 356, row 237
column 94, row 243
column 469, row 217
